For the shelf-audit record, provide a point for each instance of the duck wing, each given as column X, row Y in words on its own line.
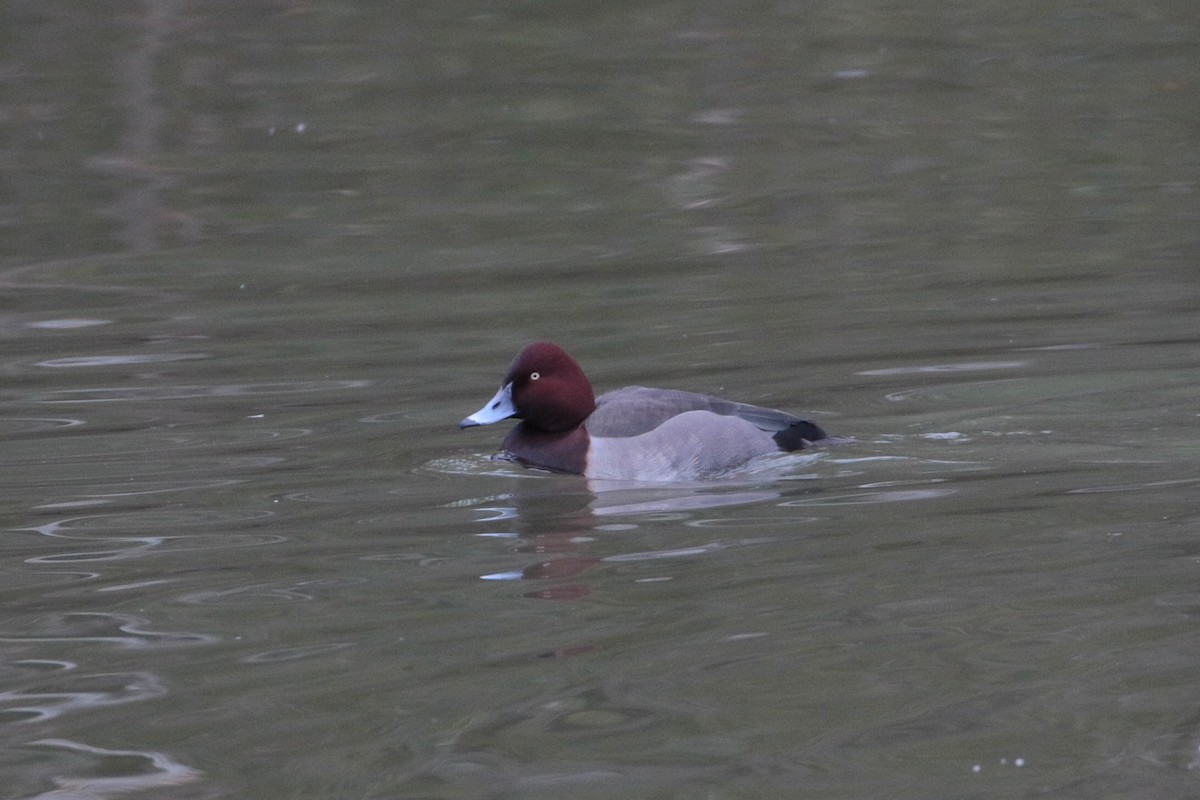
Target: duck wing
column 635, row 410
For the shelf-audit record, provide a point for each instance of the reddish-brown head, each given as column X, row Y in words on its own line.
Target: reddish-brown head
column 549, row 389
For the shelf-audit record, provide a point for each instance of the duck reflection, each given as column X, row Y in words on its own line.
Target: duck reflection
column 557, row 518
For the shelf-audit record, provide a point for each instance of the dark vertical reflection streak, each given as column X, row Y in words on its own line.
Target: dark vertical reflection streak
column 138, row 209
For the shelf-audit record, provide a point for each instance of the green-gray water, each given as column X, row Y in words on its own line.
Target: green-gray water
column 257, row 260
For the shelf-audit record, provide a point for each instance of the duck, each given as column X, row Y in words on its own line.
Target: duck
column 632, row 434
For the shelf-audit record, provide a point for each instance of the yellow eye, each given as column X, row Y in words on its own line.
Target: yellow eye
column 533, row 376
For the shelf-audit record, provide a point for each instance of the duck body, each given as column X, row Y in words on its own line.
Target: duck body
column 635, row 433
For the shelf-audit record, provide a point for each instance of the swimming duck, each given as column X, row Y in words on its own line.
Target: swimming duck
column 635, row 433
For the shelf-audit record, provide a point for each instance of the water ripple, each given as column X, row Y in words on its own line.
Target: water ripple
column 478, row 464
column 864, row 498
column 92, row 528
column 144, row 488
column 119, row 394
column 95, row 626
column 67, row 323
column 295, row 653
column 27, row 426
column 684, row 503
column 965, row 366
column 1134, row 487
column 111, row 689
column 120, row 775
column 112, row 361
column 686, row 552
column 256, row 593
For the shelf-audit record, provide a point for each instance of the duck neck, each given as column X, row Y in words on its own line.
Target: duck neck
column 561, row 451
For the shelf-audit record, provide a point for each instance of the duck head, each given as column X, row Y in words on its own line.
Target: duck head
column 544, row 387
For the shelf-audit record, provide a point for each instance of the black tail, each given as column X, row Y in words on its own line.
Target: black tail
column 798, row 435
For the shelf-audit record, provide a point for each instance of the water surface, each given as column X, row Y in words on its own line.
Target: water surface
column 259, row 260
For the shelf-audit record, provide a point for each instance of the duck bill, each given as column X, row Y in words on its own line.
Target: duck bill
column 498, row 408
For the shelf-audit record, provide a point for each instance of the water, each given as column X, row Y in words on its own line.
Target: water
column 258, row 262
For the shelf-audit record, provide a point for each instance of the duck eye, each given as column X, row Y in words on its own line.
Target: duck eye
column 533, row 376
